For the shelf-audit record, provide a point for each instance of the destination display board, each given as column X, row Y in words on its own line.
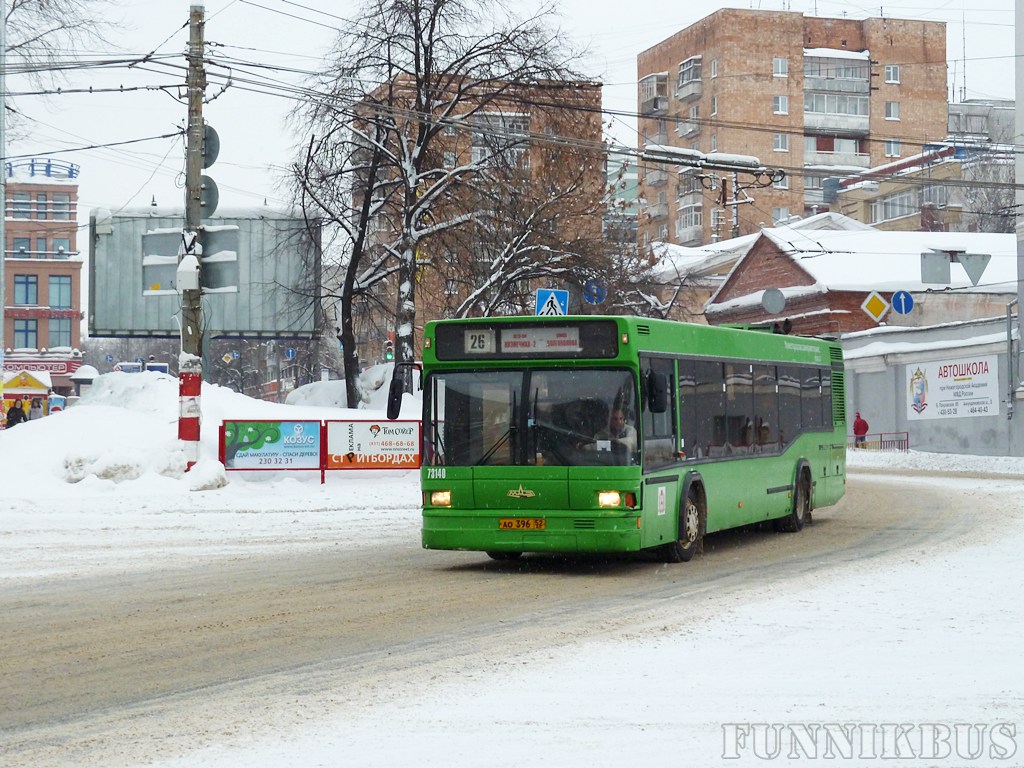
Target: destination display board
column 554, row 339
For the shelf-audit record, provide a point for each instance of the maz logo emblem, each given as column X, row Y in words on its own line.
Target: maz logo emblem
column 521, row 493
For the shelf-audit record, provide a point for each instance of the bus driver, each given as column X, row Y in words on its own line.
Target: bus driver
column 618, row 430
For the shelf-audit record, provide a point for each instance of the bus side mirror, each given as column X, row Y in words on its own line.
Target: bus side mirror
column 395, row 392
column 397, row 388
column 657, row 392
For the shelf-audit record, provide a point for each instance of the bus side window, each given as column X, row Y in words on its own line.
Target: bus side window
column 689, row 445
column 658, row 430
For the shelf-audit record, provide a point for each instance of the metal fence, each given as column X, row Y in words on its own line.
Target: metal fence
column 881, row 441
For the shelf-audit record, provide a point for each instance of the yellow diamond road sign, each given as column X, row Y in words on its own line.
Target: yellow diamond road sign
column 226, row 357
column 875, row 305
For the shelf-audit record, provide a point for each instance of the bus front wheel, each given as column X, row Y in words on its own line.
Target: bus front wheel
column 504, row 555
column 691, row 531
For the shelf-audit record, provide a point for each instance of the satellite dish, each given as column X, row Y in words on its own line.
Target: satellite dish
column 773, row 301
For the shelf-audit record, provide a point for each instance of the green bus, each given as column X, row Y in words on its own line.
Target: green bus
column 620, row 434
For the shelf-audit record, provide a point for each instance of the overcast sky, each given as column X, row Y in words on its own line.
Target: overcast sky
column 256, row 144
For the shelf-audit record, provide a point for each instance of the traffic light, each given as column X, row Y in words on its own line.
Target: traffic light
column 389, row 350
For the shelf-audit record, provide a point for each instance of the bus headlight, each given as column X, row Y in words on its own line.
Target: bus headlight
column 616, row 499
column 440, row 498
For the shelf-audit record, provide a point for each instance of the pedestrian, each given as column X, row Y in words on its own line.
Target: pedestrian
column 36, row 409
column 15, row 415
column 860, row 430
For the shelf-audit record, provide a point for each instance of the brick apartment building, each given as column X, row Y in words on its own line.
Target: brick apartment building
column 816, row 97
column 42, row 279
column 544, row 142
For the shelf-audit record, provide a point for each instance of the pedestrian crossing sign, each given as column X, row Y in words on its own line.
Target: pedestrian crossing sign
column 551, row 301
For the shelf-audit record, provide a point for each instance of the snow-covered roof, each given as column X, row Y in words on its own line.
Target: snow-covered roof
column 837, row 53
column 891, row 261
column 678, row 260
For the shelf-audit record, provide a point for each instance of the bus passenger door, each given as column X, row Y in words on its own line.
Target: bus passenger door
column 660, row 450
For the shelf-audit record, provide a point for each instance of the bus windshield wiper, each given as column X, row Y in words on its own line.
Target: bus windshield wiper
column 494, row 449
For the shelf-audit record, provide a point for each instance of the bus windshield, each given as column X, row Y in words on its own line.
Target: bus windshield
column 579, row 417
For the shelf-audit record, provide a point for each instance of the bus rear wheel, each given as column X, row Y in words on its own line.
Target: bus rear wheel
column 504, row 555
column 801, row 513
column 691, row 531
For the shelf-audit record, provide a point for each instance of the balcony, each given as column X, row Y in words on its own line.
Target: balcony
column 657, row 211
column 654, row 106
column 688, row 128
column 855, row 159
column 656, row 178
column 845, row 125
column 689, row 235
column 837, row 84
column 689, row 90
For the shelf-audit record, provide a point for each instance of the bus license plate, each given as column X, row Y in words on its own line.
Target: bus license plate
column 522, row 524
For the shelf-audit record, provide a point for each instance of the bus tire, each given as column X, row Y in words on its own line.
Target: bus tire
column 794, row 521
column 494, row 555
column 692, row 521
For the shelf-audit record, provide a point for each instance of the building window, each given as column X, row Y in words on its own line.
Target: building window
column 26, row 290
column 449, row 159
column 22, row 247
column 714, row 105
column 22, row 205
column 892, row 147
column 714, row 67
column 780, row 67
column 780, row 215
column 813, row 182
column 60, row 291
column 836, row 104
column 892, row 110
column 450, row 286
column 689, row 70
column 780, row 105
column 62, row 206
column 780, row 142
column 502, row 136
column 26, row 334
column 41, row 205
column 59, row 332
column 714, row 142
column 895, row 206
column 40, row 246
column 61, row 247
column 782, row 183
column 892, row 73
column 717, row 218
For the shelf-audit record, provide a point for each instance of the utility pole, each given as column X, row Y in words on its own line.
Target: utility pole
column 3, row 196
column 190, row 254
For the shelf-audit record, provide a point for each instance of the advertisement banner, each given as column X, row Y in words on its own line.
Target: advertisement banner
column 272, row 444
column 373, row 444
column 956, row 388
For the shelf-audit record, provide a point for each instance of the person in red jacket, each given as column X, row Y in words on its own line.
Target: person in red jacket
column 860, row 429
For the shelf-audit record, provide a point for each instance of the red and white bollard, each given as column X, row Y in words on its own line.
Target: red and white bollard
column 190, row 384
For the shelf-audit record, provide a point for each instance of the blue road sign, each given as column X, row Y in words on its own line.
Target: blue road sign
column 595, row 291
column 110, row 358
column 551, row 301
column 235, row 354
column 902, row 302
column 289, row 353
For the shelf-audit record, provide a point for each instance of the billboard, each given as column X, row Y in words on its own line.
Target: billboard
column 963, row 387
column 260, row 274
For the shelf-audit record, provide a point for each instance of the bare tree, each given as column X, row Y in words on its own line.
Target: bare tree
column 989, row 203
column 43, row 37
column 405, row 80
